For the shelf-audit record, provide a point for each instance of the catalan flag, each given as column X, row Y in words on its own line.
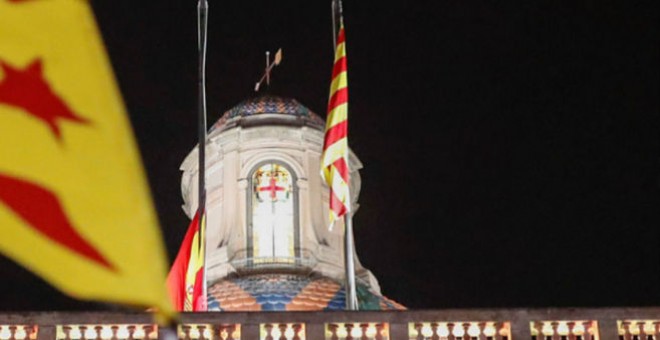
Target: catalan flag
column 334, row 160
column 186, row 278
column 75, row 206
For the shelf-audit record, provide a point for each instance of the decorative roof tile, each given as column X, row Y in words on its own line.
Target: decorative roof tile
column 288, row 292
column 269, row 104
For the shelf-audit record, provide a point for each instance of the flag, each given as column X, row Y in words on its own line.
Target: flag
column 75, row 205
column 185, row 281
column 334, row 160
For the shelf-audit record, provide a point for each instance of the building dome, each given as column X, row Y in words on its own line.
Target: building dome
column 289, row 292
column 268, row 243
column 278, row 109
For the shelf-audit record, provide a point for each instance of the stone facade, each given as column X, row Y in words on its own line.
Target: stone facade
column 260, row 130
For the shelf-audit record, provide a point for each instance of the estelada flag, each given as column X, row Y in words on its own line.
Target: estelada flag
column 185, row 280
column 75, row 206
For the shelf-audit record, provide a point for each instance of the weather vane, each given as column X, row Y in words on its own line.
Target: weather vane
column 269, row 67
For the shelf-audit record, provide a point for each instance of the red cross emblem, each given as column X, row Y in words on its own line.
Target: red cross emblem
column 272, row 187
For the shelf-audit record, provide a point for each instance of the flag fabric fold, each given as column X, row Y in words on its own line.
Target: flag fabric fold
column 185, row 281
column 334, row 160
column 75, row 205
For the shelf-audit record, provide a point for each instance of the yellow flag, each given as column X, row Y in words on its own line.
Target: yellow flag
column 75, row 206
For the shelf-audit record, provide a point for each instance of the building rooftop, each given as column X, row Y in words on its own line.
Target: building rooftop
column 290, row 292
column 269, row 106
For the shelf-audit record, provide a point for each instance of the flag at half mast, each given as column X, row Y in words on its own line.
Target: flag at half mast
column 334, row 160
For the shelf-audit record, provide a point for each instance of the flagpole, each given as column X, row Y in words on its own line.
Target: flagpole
column 202, row 20
column 351, row 294
column 334, row 23
column 349, row 262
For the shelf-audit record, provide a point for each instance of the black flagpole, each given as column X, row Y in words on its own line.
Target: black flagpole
column 202, row 19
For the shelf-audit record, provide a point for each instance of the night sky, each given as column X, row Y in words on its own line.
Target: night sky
column 511, row 149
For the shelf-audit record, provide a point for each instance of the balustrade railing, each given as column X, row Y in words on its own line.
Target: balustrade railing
column 565, row 330
column 18, row 332
column 459, row 330
column 454, row 324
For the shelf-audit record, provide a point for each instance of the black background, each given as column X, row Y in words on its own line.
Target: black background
column 511, row 150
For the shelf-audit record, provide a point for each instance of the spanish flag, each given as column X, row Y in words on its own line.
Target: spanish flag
column 334, row 160
column 185, row 280
column 75, row 206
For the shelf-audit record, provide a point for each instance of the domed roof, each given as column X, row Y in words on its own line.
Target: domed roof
column 269, row 105
column 289, row 292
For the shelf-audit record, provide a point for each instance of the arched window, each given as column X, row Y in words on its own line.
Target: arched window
column 272, row 214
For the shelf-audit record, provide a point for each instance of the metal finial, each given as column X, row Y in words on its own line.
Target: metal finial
column 269, row 67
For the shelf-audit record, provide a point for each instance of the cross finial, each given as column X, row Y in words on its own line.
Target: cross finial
column 269, row 67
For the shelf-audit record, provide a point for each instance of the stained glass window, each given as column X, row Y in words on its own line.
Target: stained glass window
column 272, row 209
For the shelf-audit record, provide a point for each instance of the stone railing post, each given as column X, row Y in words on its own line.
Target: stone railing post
column 47, row 332
column 520, row 329
column 250, row 331
column 315, row 330
column 607, row 329
column 398, row 331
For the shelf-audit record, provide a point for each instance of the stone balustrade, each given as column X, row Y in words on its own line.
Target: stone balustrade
column 447, row 324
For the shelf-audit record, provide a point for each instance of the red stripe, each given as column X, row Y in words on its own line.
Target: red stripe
column 339, row 97
column 341, row 37
column 342, row 167
column 336, row 205
column 336, row 133
column 339, row 67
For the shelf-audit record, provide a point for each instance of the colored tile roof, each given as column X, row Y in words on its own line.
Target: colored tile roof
column 269, row 104
column 289, row 292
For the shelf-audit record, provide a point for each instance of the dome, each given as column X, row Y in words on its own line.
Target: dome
column 278, row 109
column 266, row 214
column 289, row 292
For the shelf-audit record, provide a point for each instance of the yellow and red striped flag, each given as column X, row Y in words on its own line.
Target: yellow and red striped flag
column 334, row 160
column 185, row 280
column 75, row 206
